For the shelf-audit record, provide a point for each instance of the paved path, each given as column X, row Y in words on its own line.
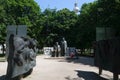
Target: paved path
column 62, row 69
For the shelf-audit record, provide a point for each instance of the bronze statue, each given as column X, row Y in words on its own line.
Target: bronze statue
column 57, row 50
column 63, row 47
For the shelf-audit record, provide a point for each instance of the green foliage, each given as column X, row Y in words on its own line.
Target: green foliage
column 50, row 26
column 96, row 14
column 18, row 12
column 108, row 15
column 65, row 20
column 86, row 24
column 55, row 25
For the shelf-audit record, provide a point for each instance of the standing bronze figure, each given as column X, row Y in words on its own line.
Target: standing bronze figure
column 63, row 47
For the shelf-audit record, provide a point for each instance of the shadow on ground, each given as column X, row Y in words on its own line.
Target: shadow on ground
column 87, row 75
column 82, row 60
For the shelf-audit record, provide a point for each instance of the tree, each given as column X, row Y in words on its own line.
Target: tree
column 96, row 14
column 18, row 12
column 86, row 25
column 2, row 25
column 65, row 22
column 55, row 25
column 108, row 15
column 46, row 35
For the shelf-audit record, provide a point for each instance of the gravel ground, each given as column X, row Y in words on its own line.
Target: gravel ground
column 62, row 69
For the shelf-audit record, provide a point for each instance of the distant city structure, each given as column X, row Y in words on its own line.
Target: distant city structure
column 76, row 8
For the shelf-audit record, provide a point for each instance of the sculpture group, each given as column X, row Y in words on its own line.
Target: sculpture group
column 60, row 49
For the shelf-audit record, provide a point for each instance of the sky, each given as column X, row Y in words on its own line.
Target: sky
column 60, row 4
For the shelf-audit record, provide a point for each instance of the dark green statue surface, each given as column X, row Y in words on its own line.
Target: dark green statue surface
column 63, row 47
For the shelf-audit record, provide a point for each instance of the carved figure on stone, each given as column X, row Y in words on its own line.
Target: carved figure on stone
column 21, row 57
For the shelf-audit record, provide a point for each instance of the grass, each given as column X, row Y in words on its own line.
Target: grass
column 2, row 59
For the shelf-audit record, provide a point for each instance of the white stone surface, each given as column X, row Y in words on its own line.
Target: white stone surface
column 61, row 69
